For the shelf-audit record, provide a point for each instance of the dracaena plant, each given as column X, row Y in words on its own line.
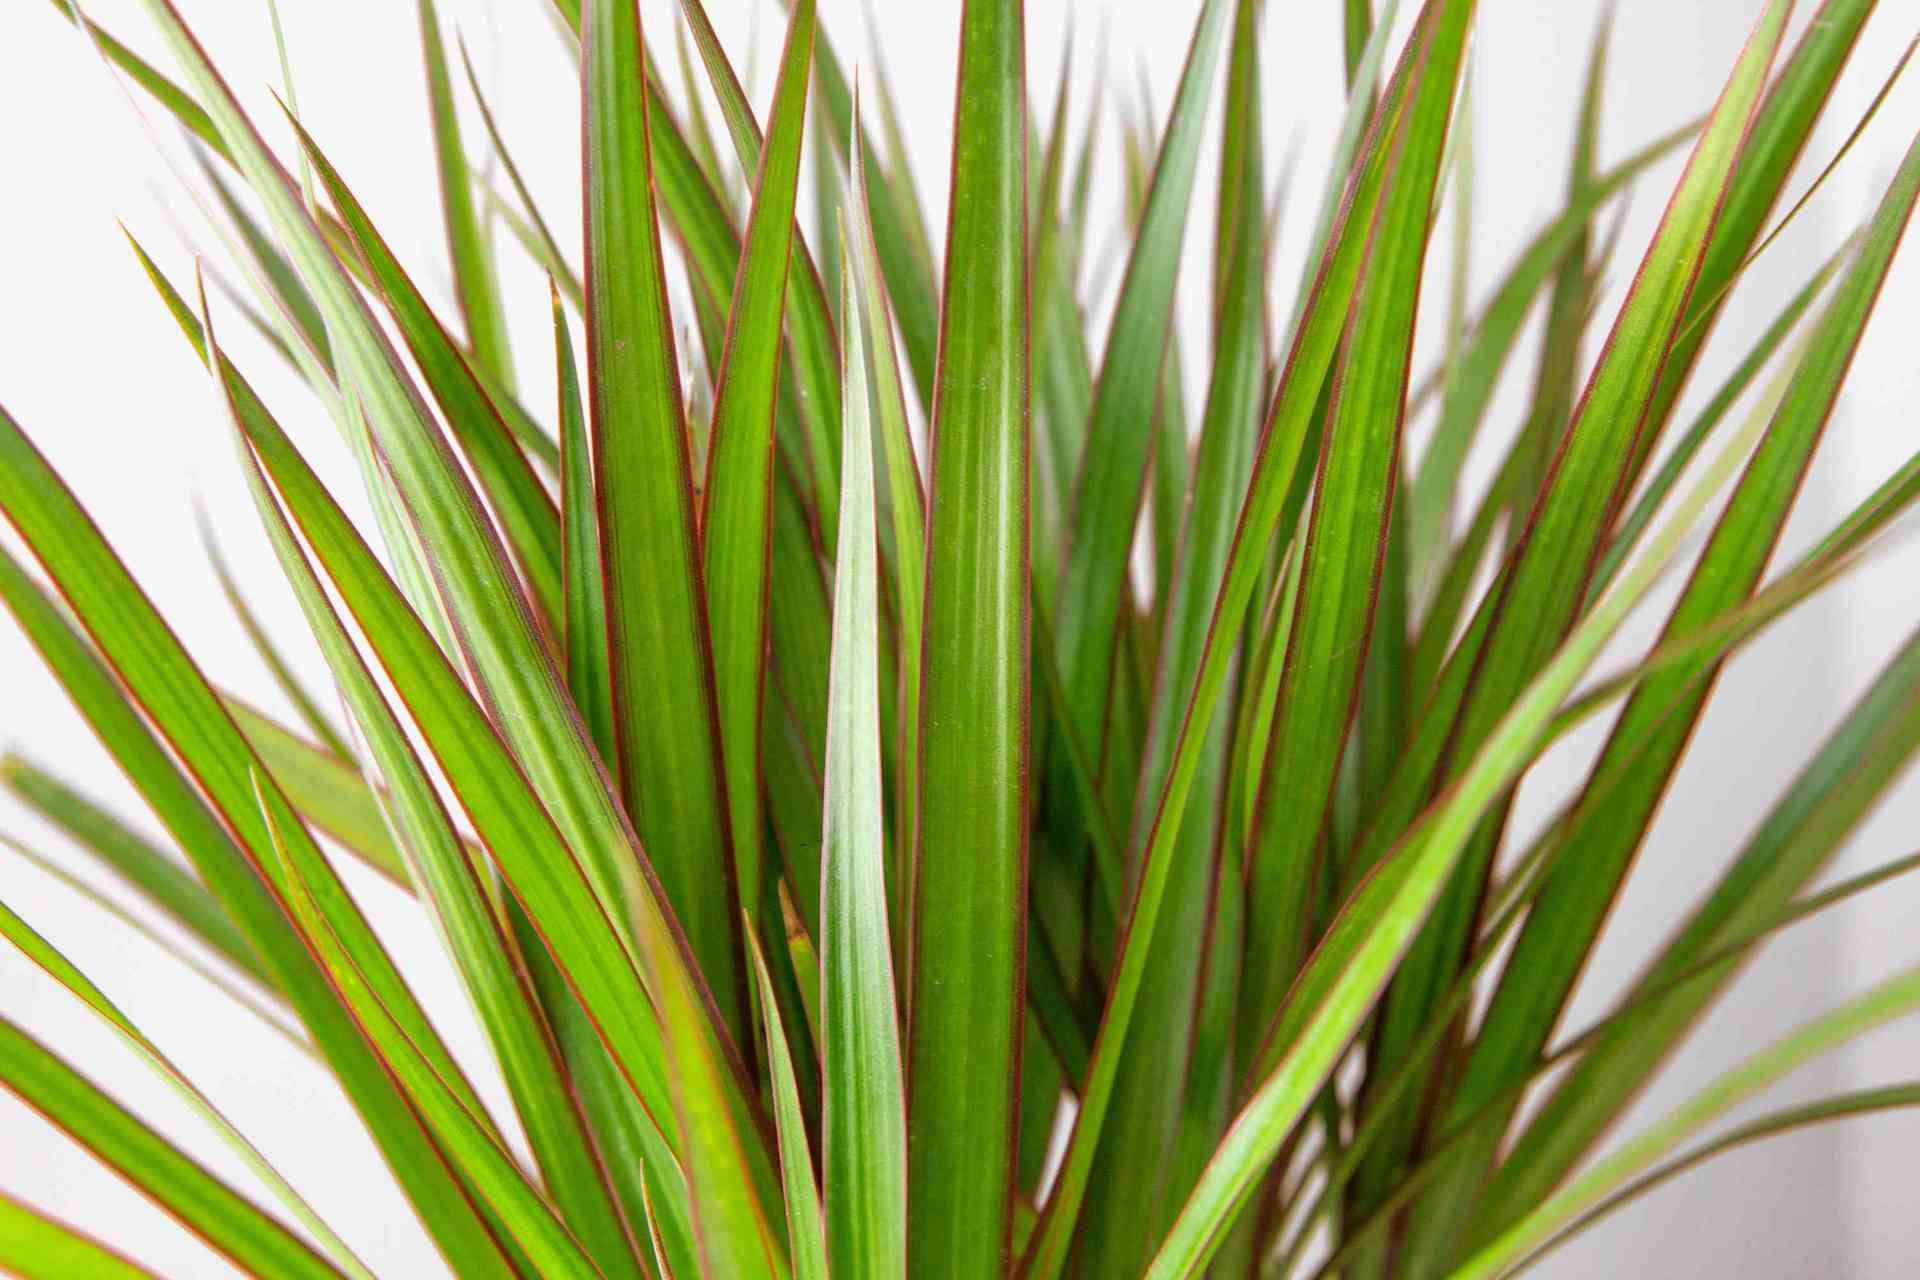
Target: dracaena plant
column 854, row 870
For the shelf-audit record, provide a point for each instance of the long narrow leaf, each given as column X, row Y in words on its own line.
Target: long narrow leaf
column 1894, row 998
column 865, row 1126
column 253, row 1239
column 663, row 683
column 62, row 971
column 963, row 1056
column 174, row 695
column 736, row 513
column 473, row 275
column 34, row 1246
column 1553, row 945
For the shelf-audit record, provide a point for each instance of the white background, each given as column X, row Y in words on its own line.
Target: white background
column 94, row 370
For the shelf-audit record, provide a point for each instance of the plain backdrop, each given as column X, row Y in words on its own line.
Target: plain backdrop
column 92, row 367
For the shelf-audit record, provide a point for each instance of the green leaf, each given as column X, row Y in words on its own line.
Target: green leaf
column 1413, row 1069
column 249, row 1237
column 663, row 681
column 551, row 257
column 583, row 563
column 1170, row 475
column 158, row 877
column 527, row 516
column 1687, row 447
column 906, row 503
column 1111, row 479
column 1356, row 31
column 62, row 971
column 1057, row 336
column 796, row 1162
column 1863, row 756
column 498, row 637
column 289, row 685
column 736, row 511
column 34, row 1246
column 865, row 1125
column 173, row 695
column 177, row 101
column 1355, row 123
column 282, row 281
column 1343, row 551
column 1543, row 583
column 1289, row 424
column 451, row 878
column 899, row 234
column 814, row 365
column 1842, row 1106
column 634, row 1148
column 1473, row 377
column 1890, row 999
column 599, row 959
column 331, row 793
column 970, row 857
column 469, row 1142
column 1142, row 1183
column 473, row 277
column 1367, row 939
column 897, row 174
column 1780, row 130
column 1603, row 838
column 270, row 1012
column 614, row 975
column 705, row 146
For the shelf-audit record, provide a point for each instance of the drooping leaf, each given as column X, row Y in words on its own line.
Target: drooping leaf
column 157, row 875
column 35, row 1246
column 234, row 860
column 61, row 970
column 252, row 1238
column 451, row 878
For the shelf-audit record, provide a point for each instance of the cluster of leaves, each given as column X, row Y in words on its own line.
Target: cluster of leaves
column 854, row 870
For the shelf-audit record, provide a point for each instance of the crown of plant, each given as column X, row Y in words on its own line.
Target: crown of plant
column 855, row 870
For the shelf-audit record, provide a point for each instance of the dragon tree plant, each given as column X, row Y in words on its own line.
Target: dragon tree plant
column 856, row 868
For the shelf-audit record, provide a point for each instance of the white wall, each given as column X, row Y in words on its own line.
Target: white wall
column 92, row 367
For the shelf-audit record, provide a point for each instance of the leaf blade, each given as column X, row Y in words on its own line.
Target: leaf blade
column 971, row 845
